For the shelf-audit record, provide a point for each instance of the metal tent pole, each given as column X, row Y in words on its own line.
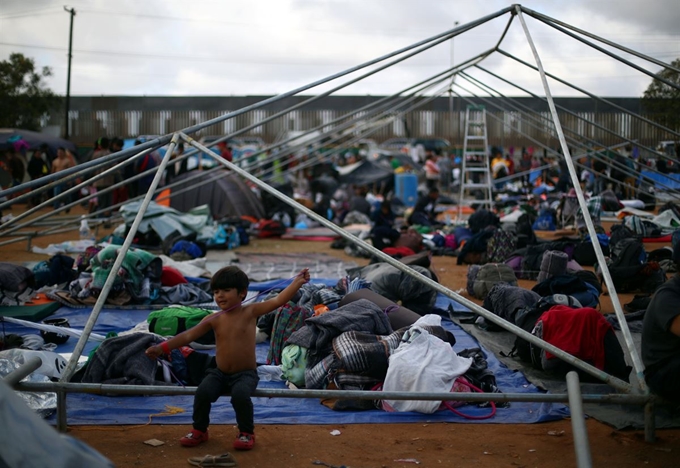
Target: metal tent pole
column 543, row 146
column 92, row 319
column 593, row 96
column 578, row 422
column 598, row 126
column 119, row 389
column 614, row 381
column 554, row 24
column 608, row 161
column 622, row 167
column 637, row 363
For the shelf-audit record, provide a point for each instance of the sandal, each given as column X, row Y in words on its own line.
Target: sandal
column 226, row 459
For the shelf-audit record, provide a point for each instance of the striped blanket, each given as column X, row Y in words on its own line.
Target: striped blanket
column 359, row 360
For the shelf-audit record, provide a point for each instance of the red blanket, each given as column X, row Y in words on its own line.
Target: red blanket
column 580, row 332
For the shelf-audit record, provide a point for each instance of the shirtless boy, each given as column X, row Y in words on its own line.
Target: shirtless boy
column 236, row 370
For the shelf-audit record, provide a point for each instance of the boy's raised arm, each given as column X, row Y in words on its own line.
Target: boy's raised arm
column 180, row 340
column 261, row 308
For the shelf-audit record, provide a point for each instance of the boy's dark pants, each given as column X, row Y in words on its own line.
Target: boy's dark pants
column 216, row 383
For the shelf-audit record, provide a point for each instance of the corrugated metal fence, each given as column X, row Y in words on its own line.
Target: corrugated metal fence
column 504, row 128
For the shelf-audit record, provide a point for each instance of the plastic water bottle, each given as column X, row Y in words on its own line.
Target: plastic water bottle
column 85, row 232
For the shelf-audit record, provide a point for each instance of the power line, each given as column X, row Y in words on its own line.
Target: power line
column 37, row 12
column 221, row 60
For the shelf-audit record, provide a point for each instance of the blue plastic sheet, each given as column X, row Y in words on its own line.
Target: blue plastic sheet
column 85, row 409
column 663, row 181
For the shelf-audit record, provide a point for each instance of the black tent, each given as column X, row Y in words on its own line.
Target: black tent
column 366, row 173
column 224, row 192
column 34, row 140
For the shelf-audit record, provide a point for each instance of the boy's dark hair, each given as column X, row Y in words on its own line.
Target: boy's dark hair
column 230, row 277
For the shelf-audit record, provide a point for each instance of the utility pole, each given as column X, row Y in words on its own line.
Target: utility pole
column 71, row 12
column 455, row 25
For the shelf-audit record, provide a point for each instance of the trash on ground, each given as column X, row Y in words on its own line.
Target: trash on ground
column 154, row 442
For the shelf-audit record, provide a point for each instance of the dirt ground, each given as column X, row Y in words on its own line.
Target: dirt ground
column 368, row 445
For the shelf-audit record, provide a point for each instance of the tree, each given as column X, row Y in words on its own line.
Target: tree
column 24, row 96
column 662, row 100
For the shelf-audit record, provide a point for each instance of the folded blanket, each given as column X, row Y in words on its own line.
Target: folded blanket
column 122, row 360
column 318, row 333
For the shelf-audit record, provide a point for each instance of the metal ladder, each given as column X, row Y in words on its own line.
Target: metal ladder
column 476, row 182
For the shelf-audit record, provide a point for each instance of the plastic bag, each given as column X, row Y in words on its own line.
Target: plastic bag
column 422, row 363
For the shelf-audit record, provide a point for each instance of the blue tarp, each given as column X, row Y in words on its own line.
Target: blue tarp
column 84, row 409
column 663, row 181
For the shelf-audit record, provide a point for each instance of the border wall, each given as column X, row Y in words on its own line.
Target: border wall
column 92, row 117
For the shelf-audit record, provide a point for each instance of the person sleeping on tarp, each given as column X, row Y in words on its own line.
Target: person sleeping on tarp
column 661, row 338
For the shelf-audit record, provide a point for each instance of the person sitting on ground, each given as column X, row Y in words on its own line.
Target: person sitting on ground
column 236, row 370
column 424, row 210
column 661, row 338
column 383, row 233
column 358, row 201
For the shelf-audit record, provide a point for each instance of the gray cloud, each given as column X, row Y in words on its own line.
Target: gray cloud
column 180, row 47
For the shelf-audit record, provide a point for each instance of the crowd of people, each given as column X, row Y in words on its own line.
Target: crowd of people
column 24, row 164
column 511, row 169
column 525, row 170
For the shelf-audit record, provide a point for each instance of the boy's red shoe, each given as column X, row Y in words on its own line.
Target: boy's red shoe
column 193, row 438
column 244, row 441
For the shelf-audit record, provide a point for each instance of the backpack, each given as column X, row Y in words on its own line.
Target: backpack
column 628, row 253
column 472, row 272
column 501, row 246
column 545, row 222
column 189, row 248
column 590, row 278
column 630, row 270
column 270, row 228
column 664, row 257
column 527, row 317
column 489, row 275
column 584, row 253
column 172, row 321
column 619, row 233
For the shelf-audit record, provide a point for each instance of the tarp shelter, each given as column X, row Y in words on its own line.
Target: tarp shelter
column 165, row 221
column 366, row 173
column 383, row 159
column 34, row 140
column 226, row 194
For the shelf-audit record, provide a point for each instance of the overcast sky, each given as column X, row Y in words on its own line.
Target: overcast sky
column 265, row 47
